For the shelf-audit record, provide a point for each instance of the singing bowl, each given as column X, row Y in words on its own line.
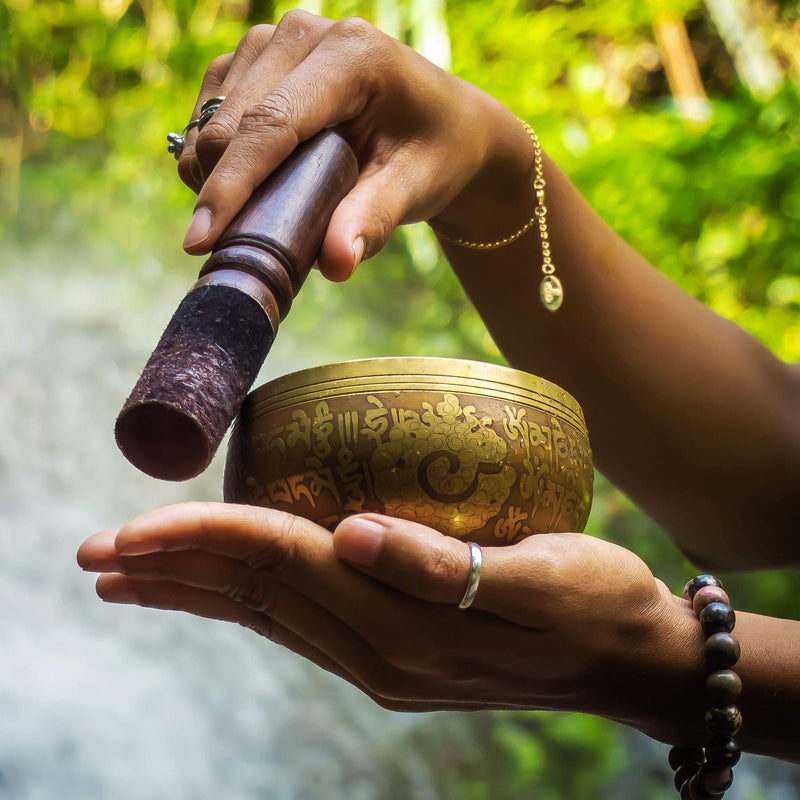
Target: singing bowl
column 478, row 451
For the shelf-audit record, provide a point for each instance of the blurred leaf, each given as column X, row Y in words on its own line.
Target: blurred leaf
column 89, row 89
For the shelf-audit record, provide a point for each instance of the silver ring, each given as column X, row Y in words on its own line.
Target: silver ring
column 475, row 561
column 208, row 109
column 177, row 141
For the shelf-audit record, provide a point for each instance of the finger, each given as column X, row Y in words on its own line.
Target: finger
column 222, row 78
column 364, row 220
column 322, row 638
column 268, row 552
column 97, row 548
column 297, row 644
column 226, row 73
column 168, row 596
column 331, row 85
column 188, row 168
column 407, row 556
column 277, row 52
column 200, row 570
column 516, row 582
column 236, row 531
column 192, row 567
column 258, row 546
column 425, row 564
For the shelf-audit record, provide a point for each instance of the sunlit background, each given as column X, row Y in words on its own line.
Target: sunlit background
column 680, row 121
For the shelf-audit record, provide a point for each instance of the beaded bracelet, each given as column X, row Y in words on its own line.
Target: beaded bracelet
column 706, row 773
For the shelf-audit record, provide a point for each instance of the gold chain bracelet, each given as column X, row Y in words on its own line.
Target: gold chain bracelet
column 550, row 290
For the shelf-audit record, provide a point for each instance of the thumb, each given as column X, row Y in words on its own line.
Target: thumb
column 363, row 222
column 408, row 556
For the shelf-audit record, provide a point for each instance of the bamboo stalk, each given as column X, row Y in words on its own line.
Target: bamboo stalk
column 683, row 73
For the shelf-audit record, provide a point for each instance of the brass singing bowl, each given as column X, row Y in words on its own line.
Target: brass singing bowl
column 478, row 451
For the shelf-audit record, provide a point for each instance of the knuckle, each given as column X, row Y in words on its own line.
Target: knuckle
column 411, row 655
column 217, row 69
column 258, row 623
column 409, row 658
column 274, row 113
column 251, row 590
column 255, row 39
column 552, row 558
column 384, row 225
column 441, row 567
column 296, row 21
column 221, row 128
column 203, row 512
column 278, row 549
column 215, row 137
column 356, row 29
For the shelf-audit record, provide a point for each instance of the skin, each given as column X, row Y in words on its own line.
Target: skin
column 563, row 621
column 689, row 415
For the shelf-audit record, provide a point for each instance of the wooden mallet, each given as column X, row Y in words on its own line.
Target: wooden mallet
column 212, row 350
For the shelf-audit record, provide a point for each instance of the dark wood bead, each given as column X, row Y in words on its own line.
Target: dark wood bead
column 691, row 588
column 723, row 687
column 697, row 792
column 715, row 780
column 716, row 618
column 686, row 790
column 684, row 773
column 724, row 721
column 721, row 650
column 680, row 755
column 709, row 594
column 721, row 752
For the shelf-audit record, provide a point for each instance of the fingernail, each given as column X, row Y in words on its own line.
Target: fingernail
column 358, row 250
column 358, row 540
column 198, row 228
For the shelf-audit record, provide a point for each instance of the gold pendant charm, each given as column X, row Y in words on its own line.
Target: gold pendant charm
column 552, row 292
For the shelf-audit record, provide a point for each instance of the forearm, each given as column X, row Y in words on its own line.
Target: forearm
column 770, row 671
column 688, row 414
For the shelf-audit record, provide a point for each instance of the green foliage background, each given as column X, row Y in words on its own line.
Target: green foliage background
column 88, row 89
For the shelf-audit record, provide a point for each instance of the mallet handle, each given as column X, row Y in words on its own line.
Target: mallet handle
column 213, row 348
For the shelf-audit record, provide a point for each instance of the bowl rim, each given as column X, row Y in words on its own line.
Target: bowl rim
column 420, row 373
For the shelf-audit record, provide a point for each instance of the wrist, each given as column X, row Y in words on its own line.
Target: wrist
column 499, row 198
column 678, row 640
column 660, row 674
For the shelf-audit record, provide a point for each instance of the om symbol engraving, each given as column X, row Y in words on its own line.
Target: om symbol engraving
column 454, row 465
column 444, row 467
